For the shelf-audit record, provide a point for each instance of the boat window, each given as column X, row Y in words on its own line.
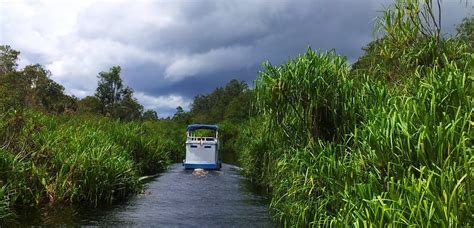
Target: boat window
column 203, row 134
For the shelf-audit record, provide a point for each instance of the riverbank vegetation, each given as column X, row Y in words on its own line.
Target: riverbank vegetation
column 57, row 149
column 386, row 141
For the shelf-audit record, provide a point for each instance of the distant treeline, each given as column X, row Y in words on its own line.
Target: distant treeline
column 32, row 87
column 232, row 103
column 59, row 149
column 386, row 141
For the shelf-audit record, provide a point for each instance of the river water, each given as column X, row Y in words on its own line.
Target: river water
column 176, row 198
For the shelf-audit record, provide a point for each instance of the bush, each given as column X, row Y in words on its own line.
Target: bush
column 396, row 155
column 79, row 159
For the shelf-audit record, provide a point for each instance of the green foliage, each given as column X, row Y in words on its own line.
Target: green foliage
column 384, row 142
column 30, row 87
column 257, row 152
column 69, row 159
column 90, row 104
column 411, row 19
column 412, row 40
column 336, row 147
column 229, row 132
column 400, row 156
column 12, row 85
column 128, row 108
column 168, row 136
column 296, row 96
column 110, row 88
column 12, row 92
column 115, row 100
column 150, row 115
column 466, row 31
column 240, row 108
column 232, row 102
column 182, row 117
column 42, row 92
column 8, row 59
column 82, row 163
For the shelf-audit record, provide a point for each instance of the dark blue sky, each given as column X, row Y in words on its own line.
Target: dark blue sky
column 171, row 51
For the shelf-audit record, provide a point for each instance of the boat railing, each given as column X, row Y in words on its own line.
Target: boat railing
column 201, row 139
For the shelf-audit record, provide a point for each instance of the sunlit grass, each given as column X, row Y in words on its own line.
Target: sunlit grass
column 87, row 160
column 336, row 150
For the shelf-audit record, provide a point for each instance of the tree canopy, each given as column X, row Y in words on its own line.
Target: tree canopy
column 466, row 31
column 116, row 100
column 231, row 102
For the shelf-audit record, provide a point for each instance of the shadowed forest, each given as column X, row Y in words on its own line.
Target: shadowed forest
column 385, row 141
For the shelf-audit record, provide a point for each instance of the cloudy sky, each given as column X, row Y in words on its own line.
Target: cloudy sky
column 172, row 50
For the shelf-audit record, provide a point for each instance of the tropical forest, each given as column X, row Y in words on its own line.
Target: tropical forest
column 382, row 141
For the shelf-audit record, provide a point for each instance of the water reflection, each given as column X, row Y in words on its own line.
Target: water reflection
column 177, row 198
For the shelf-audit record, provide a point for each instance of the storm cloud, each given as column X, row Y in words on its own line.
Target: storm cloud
column 171, row 51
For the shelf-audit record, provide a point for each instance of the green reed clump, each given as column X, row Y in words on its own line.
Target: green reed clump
column 291, row 98
column 13, row 184
column 397, row 155
column 78, row 159
column 424, row 150
column 386, row 143
column 256, row 152
column 83, row 165
column 141, row 146
column 165, row 137
column 5, row 212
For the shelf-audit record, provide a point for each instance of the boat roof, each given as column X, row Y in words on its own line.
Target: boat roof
column 193, row 127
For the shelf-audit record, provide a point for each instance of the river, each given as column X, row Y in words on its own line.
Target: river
column 176, row 198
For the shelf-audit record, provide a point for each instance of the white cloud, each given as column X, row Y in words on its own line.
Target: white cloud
column 163, row 103
column 82, row 61
column 80, row 93
column 169, row 101
column 180, row 39
column 47, row 32
column 227, row 58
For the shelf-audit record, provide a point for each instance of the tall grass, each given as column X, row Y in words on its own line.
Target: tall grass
column 73, row 159
column 385, row 143
column 337, row 150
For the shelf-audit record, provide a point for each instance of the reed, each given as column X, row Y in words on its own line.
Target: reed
column 337, row 150
column 385, row 143
column 79, row 159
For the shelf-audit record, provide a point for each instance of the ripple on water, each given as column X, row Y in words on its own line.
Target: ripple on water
column 176, row 198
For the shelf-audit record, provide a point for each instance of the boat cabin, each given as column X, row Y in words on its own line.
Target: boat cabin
column 202, row 147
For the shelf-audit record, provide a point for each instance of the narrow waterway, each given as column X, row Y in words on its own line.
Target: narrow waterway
column 175, row 198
